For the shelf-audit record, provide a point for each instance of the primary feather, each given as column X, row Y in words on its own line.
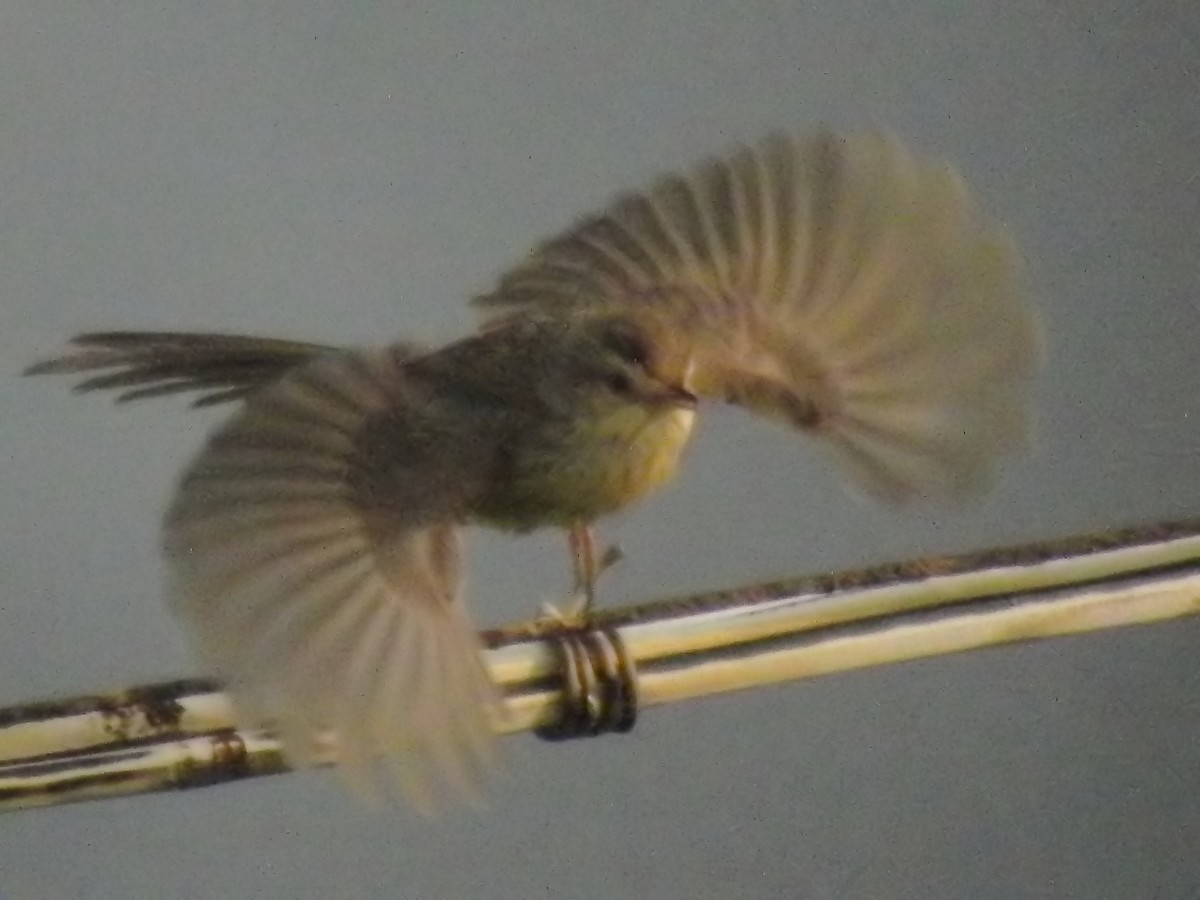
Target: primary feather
column 838, row 284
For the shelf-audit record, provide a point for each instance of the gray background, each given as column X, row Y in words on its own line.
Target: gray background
column 347, row 171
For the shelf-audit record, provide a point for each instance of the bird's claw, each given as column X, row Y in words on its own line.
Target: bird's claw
column 572, row 613
column 612, row 555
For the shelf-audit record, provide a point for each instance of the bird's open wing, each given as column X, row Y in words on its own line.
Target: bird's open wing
column 839, row 284
column 315, row 554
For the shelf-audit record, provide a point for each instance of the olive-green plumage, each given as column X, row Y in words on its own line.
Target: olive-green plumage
column 575, row 423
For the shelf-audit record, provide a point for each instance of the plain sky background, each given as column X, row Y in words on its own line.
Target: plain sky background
column 351, row 172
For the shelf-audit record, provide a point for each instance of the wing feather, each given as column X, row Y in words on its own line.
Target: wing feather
column 840, row 284
column 329, row 605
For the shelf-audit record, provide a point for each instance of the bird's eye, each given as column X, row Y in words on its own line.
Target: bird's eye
column 620, row 383
column 627, row 343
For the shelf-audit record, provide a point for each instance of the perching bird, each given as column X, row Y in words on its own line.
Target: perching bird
column 839, row 285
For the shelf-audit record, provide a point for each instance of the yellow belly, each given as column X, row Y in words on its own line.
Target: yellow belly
column 634, row 468
column 604, row 466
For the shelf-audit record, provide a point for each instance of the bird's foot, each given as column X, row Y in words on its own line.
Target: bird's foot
column 574, row 612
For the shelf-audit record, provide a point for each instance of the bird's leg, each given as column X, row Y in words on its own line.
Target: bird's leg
column 582, row 541
column 588, row 567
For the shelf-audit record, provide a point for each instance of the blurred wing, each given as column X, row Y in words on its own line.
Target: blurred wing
column 838, row 284
column 154, row 363
column 316, row 557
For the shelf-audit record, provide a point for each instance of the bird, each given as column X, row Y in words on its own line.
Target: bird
column 840, row 284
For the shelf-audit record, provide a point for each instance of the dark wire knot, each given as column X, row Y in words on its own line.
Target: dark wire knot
column 599, row 686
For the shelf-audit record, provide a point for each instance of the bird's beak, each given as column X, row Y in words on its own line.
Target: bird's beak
column 666, row 394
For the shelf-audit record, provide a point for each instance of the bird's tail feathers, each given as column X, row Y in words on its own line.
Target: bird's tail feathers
column 140, row 364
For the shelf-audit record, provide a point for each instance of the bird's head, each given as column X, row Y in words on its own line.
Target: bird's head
column 615, row 366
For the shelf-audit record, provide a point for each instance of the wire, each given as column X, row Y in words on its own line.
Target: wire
column 565, row 682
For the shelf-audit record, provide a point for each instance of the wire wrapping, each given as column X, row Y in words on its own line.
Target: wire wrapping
column 599, row 686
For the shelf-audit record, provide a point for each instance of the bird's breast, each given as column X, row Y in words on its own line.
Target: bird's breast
column 590, row 469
